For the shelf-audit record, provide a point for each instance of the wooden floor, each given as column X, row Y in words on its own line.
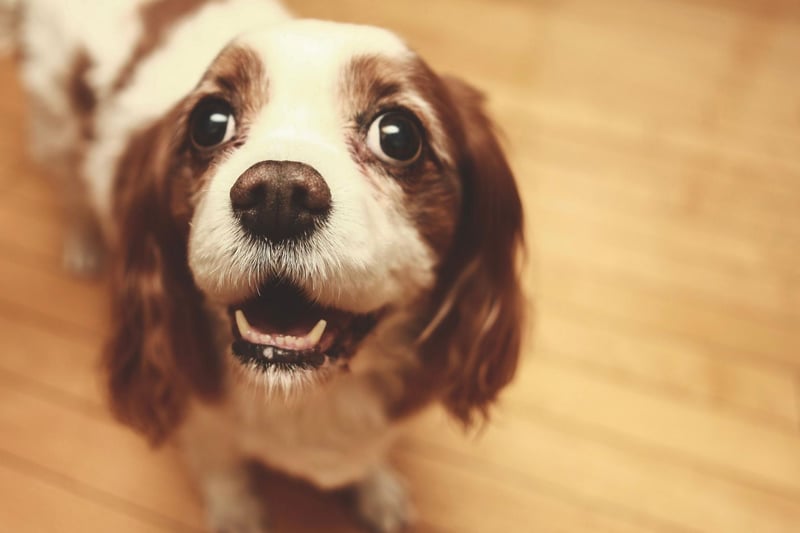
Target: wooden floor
column 657, row 145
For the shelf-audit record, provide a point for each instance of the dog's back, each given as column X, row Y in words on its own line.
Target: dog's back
column 103, row 69
column 97, row 72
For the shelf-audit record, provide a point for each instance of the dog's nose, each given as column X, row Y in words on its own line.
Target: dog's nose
column 280, row 200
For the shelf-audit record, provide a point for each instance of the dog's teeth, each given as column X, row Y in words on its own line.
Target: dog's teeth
column 313, row 337
column 242, row 324
column 288, row 342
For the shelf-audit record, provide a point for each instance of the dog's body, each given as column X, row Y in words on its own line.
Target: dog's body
column 395, row 240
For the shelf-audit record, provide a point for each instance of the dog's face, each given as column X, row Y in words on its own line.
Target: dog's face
column 329, row 195
column 319, row 179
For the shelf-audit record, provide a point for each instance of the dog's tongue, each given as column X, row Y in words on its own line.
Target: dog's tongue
column 282, row 310
column 284, row 317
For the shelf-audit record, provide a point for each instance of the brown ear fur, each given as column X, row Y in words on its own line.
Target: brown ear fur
column 161, row 348
column 475, row 333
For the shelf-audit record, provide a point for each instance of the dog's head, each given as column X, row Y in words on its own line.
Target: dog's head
column 319, row 180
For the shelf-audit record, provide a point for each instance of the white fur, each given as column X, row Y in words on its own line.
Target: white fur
column 330, row 434
column 336, row 437
column 108, row 30
column 382, row 501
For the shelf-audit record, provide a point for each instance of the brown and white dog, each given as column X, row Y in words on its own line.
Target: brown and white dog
column 311, row 235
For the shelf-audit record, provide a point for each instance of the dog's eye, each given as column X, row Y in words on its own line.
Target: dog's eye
column 395, row 138
column 212, row 123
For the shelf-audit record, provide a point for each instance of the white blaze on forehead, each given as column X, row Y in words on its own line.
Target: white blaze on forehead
column 322, row 45
column 305, row 61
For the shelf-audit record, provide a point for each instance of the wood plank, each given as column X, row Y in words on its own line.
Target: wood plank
column 642, row 170
column 439, row 490
column 60, row 362
column 13, row 143
column 45, row 293
column 761, row 292
column 93, row 449
column 614, row 475
column 669, row 364
column 655, row 308
column 693, row 433
column 721, row 193
column 31, row 505
column 31, row 209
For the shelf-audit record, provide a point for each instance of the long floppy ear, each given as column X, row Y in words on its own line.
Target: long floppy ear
column 476, row 329
column 161, row 348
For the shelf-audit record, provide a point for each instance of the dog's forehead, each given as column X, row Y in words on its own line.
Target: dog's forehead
column 320, row 46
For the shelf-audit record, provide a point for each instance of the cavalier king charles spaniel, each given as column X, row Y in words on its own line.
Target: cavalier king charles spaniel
column 310, row 235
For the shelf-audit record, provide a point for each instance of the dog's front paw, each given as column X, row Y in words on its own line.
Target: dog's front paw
column 233, row 507
column 382, row 503
column 84, row 252
column 244, row 516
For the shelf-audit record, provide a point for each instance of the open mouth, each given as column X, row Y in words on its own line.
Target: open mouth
column 281, row 328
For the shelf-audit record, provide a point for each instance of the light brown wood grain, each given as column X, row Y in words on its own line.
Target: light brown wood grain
column 675, row 366
column 614, row 473
column 33, row 502
column 657, row 150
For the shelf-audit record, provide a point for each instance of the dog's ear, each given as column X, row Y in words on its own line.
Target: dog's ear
column 476, row 327
column 161, row 348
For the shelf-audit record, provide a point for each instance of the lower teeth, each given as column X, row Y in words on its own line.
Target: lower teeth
column 271, row 355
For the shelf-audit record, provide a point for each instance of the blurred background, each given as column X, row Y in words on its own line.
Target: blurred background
column 657, row 147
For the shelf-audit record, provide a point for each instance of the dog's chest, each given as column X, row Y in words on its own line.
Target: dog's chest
column 332, row 439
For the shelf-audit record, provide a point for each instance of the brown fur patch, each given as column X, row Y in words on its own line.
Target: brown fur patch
column 470, row 346
column 161, row 349
column 374, row 84
column 463, row 200
column 476, row 332
column 158, row 18
column 82, row 98
column 238, row 75
column 11, row 21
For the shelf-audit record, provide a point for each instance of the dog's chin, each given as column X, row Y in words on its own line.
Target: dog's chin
column 284, row 336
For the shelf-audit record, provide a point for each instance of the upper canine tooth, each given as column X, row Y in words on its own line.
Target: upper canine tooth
column 313, row 336
column 242, row 323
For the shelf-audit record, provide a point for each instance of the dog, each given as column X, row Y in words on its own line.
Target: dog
column 310, row 235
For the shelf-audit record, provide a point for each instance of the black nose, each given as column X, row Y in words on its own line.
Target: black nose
column 281, row 200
